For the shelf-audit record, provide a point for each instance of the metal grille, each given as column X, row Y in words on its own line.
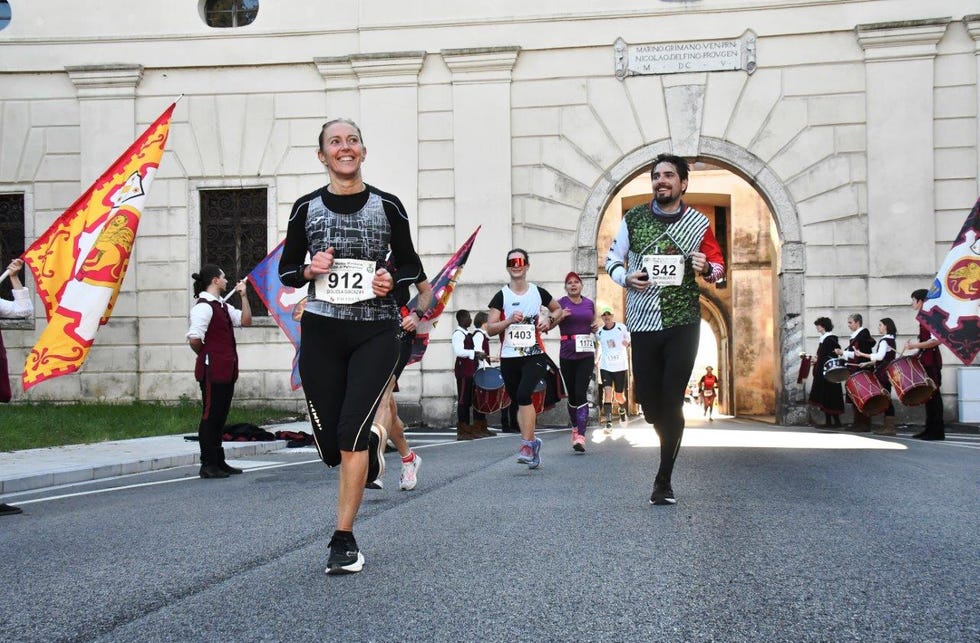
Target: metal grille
column 233, row 234
column 11, row 236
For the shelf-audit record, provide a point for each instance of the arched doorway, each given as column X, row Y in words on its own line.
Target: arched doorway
column 760, row 375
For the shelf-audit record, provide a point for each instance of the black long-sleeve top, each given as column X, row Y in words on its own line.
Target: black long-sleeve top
column 365, row 226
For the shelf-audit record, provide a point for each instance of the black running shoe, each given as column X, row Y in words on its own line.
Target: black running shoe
column 622, row 415
column 345, row 557
column 377, row 440
column 662, row 494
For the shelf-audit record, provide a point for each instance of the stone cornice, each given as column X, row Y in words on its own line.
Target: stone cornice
column 336, row 72
column 481, row 64
column 390, row 69
column 972, row 23
column 904, row 40
column 105, row 81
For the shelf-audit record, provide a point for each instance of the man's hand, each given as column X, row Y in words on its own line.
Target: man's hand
column 638, row 280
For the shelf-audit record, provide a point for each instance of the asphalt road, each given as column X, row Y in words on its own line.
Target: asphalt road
column 778, row 535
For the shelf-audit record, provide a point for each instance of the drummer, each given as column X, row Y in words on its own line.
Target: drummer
column 932, row 361
column 824, row 394
column 468, row 356
column 515, row 315
column 860, row 341
column 881, row 357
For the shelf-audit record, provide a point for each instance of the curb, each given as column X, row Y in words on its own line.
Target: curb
column 88, row 473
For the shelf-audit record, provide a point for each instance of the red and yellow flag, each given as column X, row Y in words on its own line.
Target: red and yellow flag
column 79, row 263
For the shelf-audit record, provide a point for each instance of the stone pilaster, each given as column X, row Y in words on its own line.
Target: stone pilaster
column 389, row 119
column 972, row 23
column 107, row 114
column 340, row 84
column 481, row 80
column 899, row 60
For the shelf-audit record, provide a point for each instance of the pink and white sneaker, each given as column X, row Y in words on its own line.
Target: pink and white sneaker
column 578, row 442
column 409, row 475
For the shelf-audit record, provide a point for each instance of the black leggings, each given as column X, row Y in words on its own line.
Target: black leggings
column 345, row 366
column 577, row 373
column 521, row 376
column 662, row 365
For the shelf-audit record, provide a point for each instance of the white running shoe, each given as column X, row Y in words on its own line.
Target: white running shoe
column 409, row 476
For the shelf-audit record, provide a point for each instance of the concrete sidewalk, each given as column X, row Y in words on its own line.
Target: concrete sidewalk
column 39, row 468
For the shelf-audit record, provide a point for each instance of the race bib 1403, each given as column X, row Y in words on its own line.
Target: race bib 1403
column 520, row 335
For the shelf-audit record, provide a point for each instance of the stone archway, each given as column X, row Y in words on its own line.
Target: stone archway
column 790, row 256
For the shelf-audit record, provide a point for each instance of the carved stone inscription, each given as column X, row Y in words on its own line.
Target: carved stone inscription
column 680, row 57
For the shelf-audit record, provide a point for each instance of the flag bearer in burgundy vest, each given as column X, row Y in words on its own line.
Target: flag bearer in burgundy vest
column 212, row 337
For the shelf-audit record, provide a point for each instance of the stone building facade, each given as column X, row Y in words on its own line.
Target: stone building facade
column 841, row 154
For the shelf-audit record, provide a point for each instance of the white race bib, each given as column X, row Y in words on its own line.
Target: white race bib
column 520, row 335
column 348, row 281
column 664, row 270
column 584, row 344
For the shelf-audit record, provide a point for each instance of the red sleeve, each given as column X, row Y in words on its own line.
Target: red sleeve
column 711, row 249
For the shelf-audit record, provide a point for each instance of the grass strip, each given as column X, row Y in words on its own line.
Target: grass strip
column 44, row 424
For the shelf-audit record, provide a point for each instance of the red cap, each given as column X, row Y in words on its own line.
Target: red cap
column 572, row 274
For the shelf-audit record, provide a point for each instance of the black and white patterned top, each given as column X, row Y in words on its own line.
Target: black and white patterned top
column 364, row 226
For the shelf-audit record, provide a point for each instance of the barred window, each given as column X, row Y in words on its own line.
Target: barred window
column 233, row 235
column 11, row 236
column 226, row 14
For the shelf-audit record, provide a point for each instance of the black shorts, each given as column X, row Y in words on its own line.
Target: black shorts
column 616, row 379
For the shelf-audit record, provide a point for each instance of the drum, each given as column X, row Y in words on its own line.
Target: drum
column 867, row 394
column 489, row 394
column 537, row 397
column 909, row 378
column 835, row 370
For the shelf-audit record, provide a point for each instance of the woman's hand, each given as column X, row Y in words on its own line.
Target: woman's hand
column 382, row 283
column 320, row 264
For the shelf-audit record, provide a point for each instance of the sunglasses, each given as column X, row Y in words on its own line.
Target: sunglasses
column 516, row 262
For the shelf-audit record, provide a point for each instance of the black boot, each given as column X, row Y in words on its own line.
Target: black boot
column 212, row 471
column 210, row 463
column 224, row 466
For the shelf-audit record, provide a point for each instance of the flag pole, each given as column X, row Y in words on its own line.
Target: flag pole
column 233, row 291
column 3, row 277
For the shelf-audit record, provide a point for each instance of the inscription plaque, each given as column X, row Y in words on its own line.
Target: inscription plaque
column 680, row 57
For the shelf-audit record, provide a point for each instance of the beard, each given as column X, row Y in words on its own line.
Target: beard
column 664, row 198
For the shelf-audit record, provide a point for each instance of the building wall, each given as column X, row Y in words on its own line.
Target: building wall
column 860, row 136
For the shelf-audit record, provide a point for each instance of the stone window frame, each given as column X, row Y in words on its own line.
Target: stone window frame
column 195, row 187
